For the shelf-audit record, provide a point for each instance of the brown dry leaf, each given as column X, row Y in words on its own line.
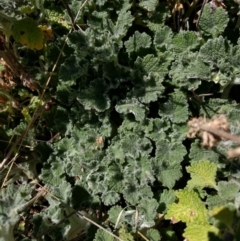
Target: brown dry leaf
column 201, row 127
column 233, row 153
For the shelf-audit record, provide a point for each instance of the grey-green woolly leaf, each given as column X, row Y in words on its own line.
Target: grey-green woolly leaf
column 148, row 76
column 100, row 2
column 132, row 106
column 159, row 128
column 131, row 125
column 163, row 37
column 105, row 49
column 228, row 190
column 185, row 40
column 116, row 73
column 150, row 63
column 176, row 108
column 149, row 5
column 213, row 50
column 215, row 201
column 169, row 176
column 116, row 216
column 233, row 61
column 179, row 132
column 166, row 197
column 153, row 235
column 116, row 151
column 110, row 198
column 147, row 212
column 150, row 89
column 124, row 21
column 145, row 171
column 137, row 41
column 213, row 22
column 157, row 18
column 134, row 146
column 79, row 41
column 63, row 191
column 222, row 79
column 115, row 175
column 70, row 70
column 170, row 153
column 12, row 200
column 96, row 20
column 197, row 153
column 133, row 192
column 102, row 235
column 189, row 75
column 95, row 97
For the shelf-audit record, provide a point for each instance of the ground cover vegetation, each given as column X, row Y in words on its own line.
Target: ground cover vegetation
column 119, row 120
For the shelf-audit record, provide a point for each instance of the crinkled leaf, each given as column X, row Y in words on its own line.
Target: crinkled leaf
column 149, row 5
column 132, row 106
column 228, row 190
column 163, row 37
column 189, row 209
column 157, row 18
column 153, row 235
column 213, row 22
column 176, row 108
column 95, row 97
column 170, row 153
column 198, row 153
column 137, row 41
column 133, row 146
column 166, row 165
column 214, row 201
column 166, row 198
column 203, row 174
column 185, row 40
column 110, row 198
column 150, row 89
column 200, row 232
column 12, row 200
column 102, row 235
column 170, row 175
column 133, row 192
column 27, row 32
column 151, row 64
column 189, row 75
column 147, row 211
column 213, row 50
column 116, row 216
column 70, row 70
column 124, row 21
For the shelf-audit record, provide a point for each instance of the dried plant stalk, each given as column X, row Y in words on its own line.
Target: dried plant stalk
column 212, row 131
